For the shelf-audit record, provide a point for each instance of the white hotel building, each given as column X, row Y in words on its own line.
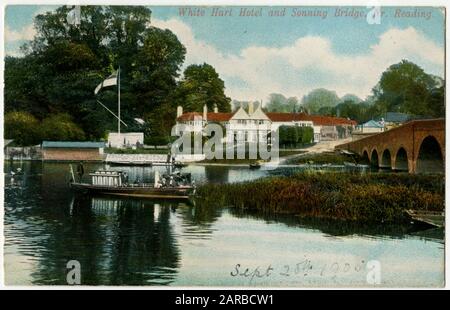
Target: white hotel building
column 255, row 124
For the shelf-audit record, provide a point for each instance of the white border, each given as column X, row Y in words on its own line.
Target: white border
column 410, row 3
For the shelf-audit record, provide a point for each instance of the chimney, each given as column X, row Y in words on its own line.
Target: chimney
column 179, row 111
column 250, row 108
column 205, row 113
column 216, row 110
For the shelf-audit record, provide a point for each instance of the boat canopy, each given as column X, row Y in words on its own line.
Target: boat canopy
column 106, row 178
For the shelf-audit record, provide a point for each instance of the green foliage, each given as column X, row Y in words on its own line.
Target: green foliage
column 26, row 130
column 279, row 103
column 159, row 123
column 202, row 85
column 60, row 127
column 156, row 140
column 22, row 127
column 322, row 158
column 319, row 98
column 368, row 198
column 295, row 136
column 359, row 111
column 155, row 70
column 406, row 88
column 351, row 98
column 236, row 104
column 64, row 63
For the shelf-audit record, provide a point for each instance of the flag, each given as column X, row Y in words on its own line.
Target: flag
column 74, row 16
column 109, row 81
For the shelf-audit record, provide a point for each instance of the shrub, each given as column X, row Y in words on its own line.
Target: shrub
column 378, row 198
column 294, row 136
column 22, row 127
column 60, row 127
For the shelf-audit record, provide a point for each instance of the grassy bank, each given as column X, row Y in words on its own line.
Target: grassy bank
column 326, row 158
column 368, row 197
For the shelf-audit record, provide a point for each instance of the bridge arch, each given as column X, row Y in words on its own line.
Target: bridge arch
column 365, row 157
column 374, row 158
column 386, row 159
column 401, row 160
column 430, row 157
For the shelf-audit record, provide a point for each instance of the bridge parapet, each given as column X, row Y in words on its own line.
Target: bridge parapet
column 400, row 148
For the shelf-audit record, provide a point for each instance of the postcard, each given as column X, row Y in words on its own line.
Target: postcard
column 234, row 146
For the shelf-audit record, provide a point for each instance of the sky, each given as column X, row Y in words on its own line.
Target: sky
column 306, row 48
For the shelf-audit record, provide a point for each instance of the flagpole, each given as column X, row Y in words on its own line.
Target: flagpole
column 118, row 99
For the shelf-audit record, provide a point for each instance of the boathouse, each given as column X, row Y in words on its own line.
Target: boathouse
column 72, row 150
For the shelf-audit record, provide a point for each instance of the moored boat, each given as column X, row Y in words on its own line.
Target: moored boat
column 170, row 186
column 354, row 165
column 255, row 165
column 434, row 218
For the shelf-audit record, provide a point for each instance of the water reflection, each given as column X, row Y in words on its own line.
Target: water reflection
column 143, row 242
column 341, row 228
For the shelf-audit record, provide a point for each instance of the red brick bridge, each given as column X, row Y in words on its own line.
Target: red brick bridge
column 416, row 147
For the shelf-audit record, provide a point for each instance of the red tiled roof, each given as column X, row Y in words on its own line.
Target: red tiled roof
column 219, row 117
column 213, row 117
column 190, row 116
column 330, row 120
column 287, row 117
column 318, row 120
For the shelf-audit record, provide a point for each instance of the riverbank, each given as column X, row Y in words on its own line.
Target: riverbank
column 333, row 157
column 355, row 197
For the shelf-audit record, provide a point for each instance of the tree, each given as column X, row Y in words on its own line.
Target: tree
column 405, row 87
column 202, row 85
column 24, row 89
column 351, row 97
column 64, row 63
column 294, row 136
column 358, row 111
column 437, row 101
column 292, row 105
column 307, row 135
column 22, row 127
column 279, row 103
column 236, row 104
column 319, row 98
column 327, row 110
column 276, row 103
column 156, row 68
column 60, row 127
column 159, row 124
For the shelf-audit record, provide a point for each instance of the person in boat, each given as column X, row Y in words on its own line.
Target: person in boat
column 125, row 178
column 19, row 171
column 80, row 170
column 157, row 180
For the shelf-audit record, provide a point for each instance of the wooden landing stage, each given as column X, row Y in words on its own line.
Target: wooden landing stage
column 433, row 218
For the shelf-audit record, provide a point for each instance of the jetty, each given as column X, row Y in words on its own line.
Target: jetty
column 433, row 218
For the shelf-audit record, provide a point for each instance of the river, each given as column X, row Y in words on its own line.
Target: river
column 143, row 242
